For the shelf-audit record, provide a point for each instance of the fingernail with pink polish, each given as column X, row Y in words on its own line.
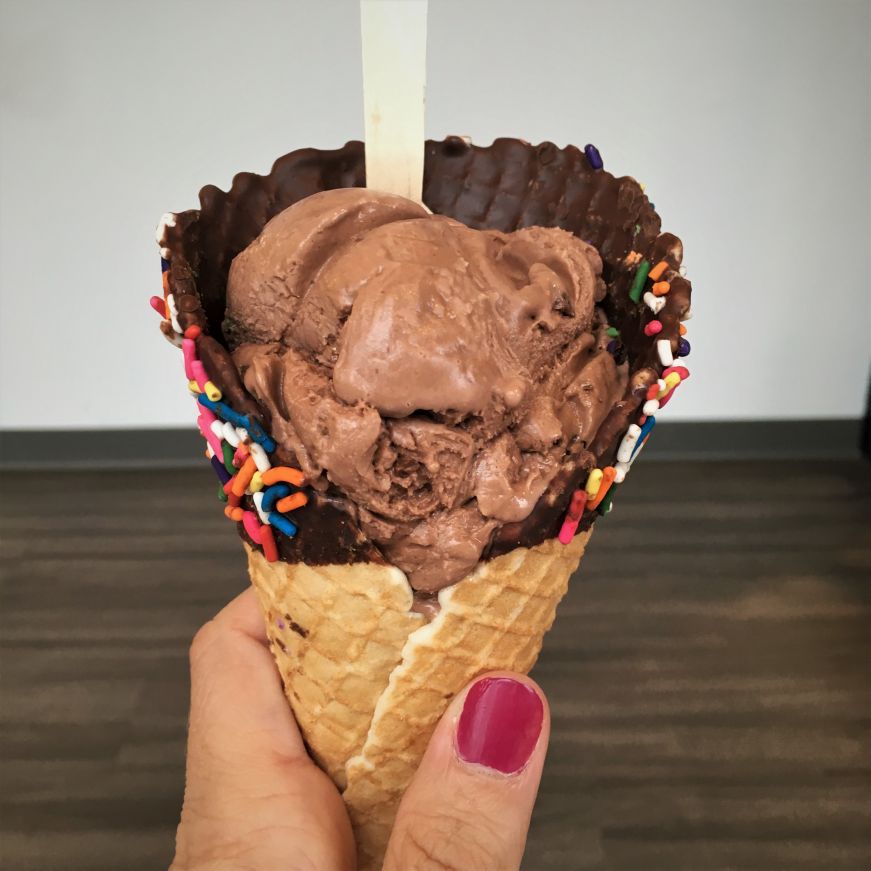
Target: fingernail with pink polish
column 500, row 724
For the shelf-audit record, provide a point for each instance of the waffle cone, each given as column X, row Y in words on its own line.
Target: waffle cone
column 368, row 679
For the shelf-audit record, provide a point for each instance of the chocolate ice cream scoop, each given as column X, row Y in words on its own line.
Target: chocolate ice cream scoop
column 437, row 376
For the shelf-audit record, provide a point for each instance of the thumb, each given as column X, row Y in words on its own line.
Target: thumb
column 469, row 804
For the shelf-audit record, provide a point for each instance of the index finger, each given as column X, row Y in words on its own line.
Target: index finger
column 244, row 615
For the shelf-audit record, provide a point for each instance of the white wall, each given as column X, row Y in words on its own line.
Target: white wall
column 748, row 120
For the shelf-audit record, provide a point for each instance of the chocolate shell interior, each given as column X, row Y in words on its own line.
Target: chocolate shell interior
column 505, row 186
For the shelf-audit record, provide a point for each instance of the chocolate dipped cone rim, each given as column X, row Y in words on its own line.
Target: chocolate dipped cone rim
column 505, row 186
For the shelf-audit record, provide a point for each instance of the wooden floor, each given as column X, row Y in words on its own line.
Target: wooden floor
column 709, row 672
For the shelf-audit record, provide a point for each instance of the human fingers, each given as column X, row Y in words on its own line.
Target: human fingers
column 253, row 796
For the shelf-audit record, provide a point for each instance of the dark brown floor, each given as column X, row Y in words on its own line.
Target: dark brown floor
column 709, row 671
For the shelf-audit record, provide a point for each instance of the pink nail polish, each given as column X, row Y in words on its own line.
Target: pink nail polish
column 500, row 724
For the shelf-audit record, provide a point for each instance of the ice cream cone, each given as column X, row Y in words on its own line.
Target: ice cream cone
column 366, row 675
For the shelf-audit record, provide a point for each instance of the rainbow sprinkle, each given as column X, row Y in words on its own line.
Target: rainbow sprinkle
column 601, row 483
column 638, row 282
column 238, row 446
column 593, row 156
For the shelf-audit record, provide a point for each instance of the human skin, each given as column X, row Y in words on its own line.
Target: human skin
column 255, row 800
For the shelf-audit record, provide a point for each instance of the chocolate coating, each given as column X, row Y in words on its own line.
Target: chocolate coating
column 505, row 186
